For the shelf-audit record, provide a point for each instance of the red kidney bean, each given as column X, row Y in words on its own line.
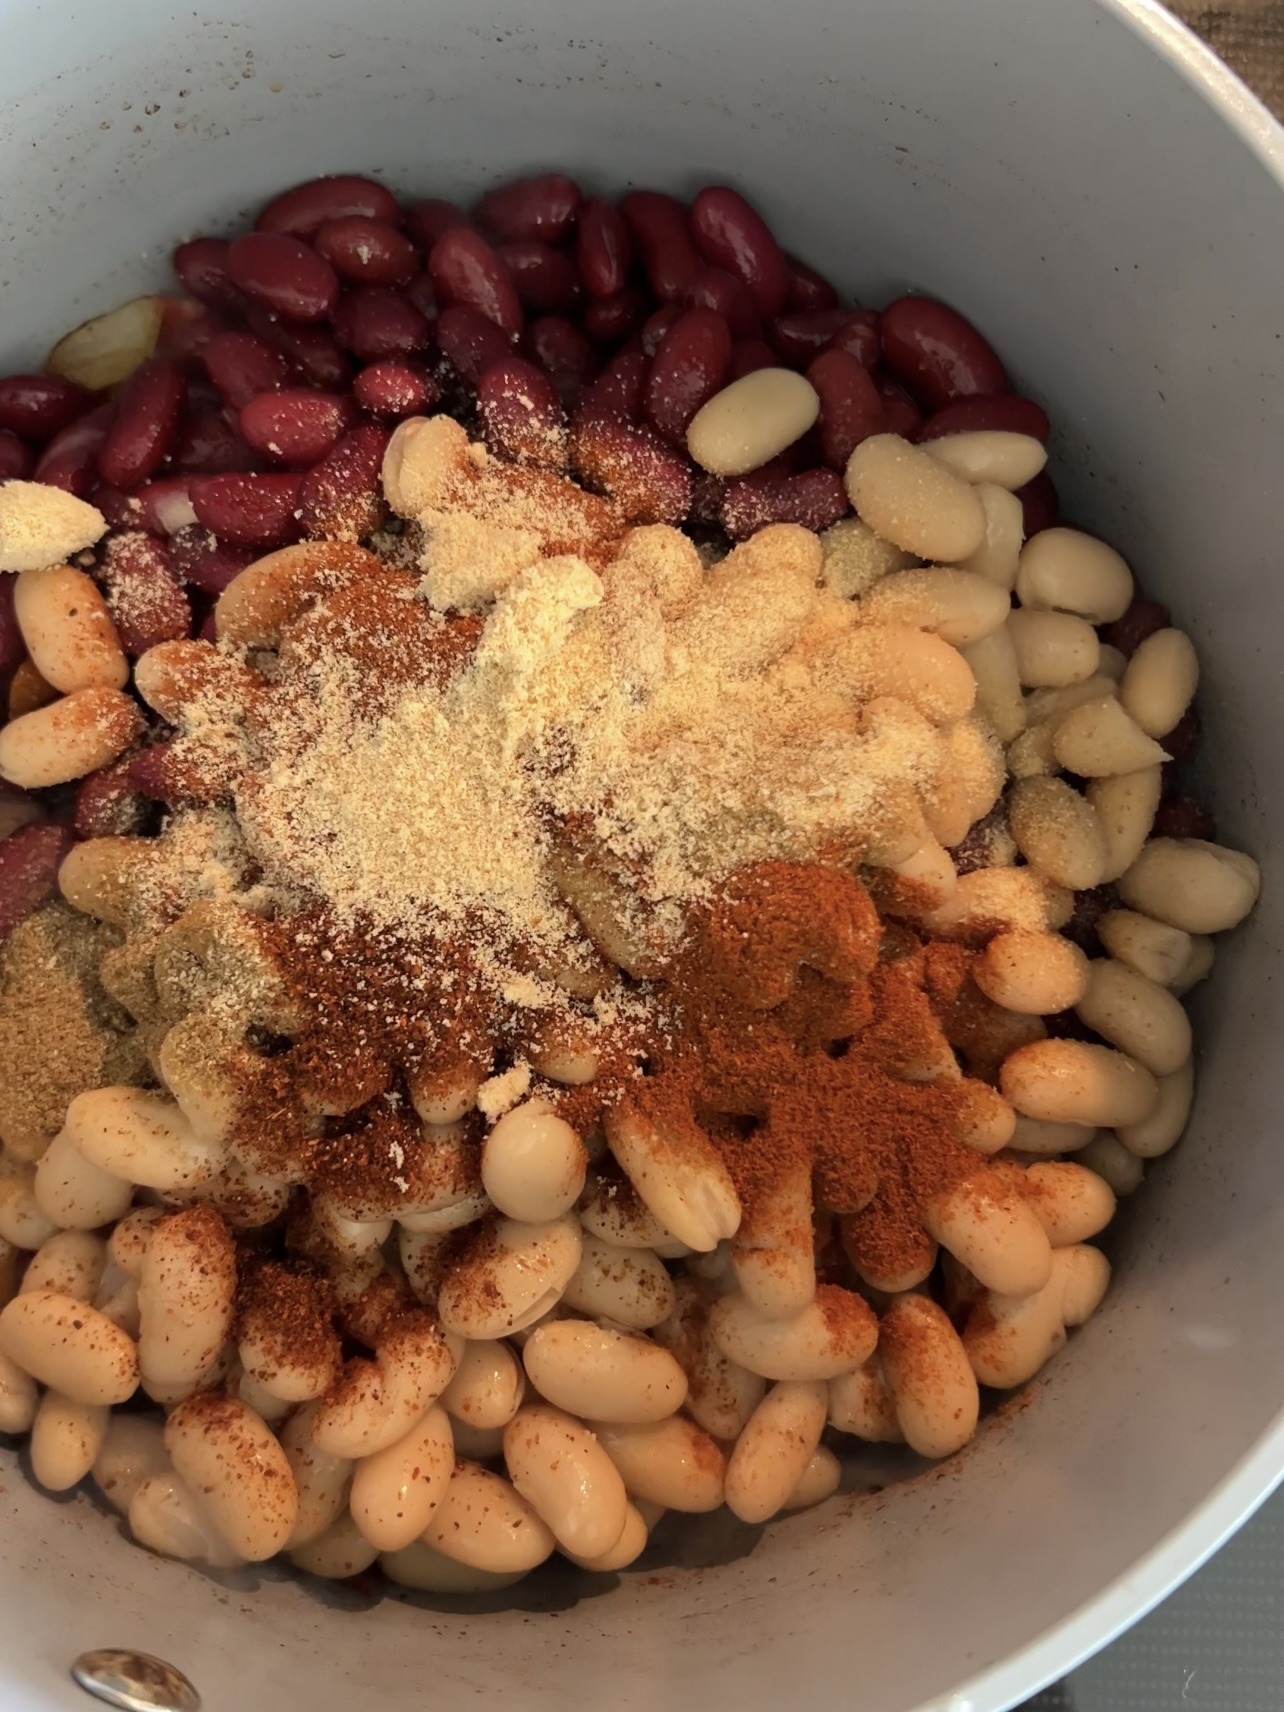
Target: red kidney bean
column 1142, row 619
column 187, row 329
column 164, row 506
column 748, row 355
column 285, row 274
column 808, row 289
column 851, row 407
column 341, row 498
column 70, row 460
column 146, row 426
column 433, row 218
column 201, row 265
column 242, row 366
column 900, row 413
column 29, row 862
column 38, row 406
column 16, row 460
column 13, row 650
column 546, row 279
column 689, row 367
column 120, row 509
column 938, row 354
column 373, row 322
column 420, row 292
column 312, row 350
column 1005, row 411
column 209, row 565
column 611, row 320
column 858, row 336
column 707, row 492
column 543, row 207
column 153, row 774
column 108, row 806
column 603, row 248
column 395, row 389
column 209, row 445
column 714, row 288
column 208, row 631
column 471, row 342
column 619, row 390
column 656, row 326
column 143, row 594
column 466, row 271
column 815, row 499
column 523, row 415
column 302, row 209
column 730, row 233
column 801, row 334
column 1181, row 742
column 649, row 481
column 295, row 427
column 368, row 252
column 1183, row 817
column 253, row 509
column 660, row 230
column 1040, row 504
column 564, row 354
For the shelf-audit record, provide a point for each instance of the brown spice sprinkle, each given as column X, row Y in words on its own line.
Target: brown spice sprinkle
column 288, row 1308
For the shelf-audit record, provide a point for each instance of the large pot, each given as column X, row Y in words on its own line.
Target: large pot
column 1089, row 185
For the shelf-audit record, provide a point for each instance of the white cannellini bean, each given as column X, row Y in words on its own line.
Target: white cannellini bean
column 998, row 685
column 488, row 1385
column 69, row 1346
column 256, row 1396
column 1036, row 973
column 895, row 660
column 1069, row 571
column 671, row 1463
column 1192, row 884
column 612, row 1211
column 989, row 1228
column 510, row 1277
column 321, row 1481
column 1126, row 804
column 1162, row 1129
column 482, row 1521
column 991, row 898
column 74, row 1193
column 629, row 1286
column 374, row 1403
column 603, row 1374
column 1077, row 1081
column 1111, row 663
column 133, row 1450
column 1053, row 649
column 19, row 1397
column 861, row 1403
column 186, row 1298
column 749, row 422
column 773, row 1252
column 1160, row 681
column 1057, row 832
column 1198, row 964
column 721, row 1394
column 1137, row 1015
column 1114, row 1164
column 1152, row 948
column 66, row 1438
column 910, row 499
column 533, row 1163
column 1008, row 1339
column 855, row 558
column 997, row 557
column 168, row 1517
column 68, row 630
column 395, row 1492
column 772, row 1453
column 678, row 1173
column 225, row 1452
column 563, row 1473
column 931, row 871
column 819, row 1480
column 626, row 1550
column 142, row 1137
column 24, row 1224
column 1070, row 1201
column 71, row 1262
column 40, row 525
column 993, row 455
column 132, row 1237
column 1030, row 1135
column 834, row 1333
column 477, row 1444
column 341, row 1551
column 932, row 1385
column 71, row 737
column 958, row 606
column 427, row 1570
column 1099, row 739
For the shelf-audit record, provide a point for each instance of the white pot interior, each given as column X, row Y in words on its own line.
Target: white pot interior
column 1050, row 171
